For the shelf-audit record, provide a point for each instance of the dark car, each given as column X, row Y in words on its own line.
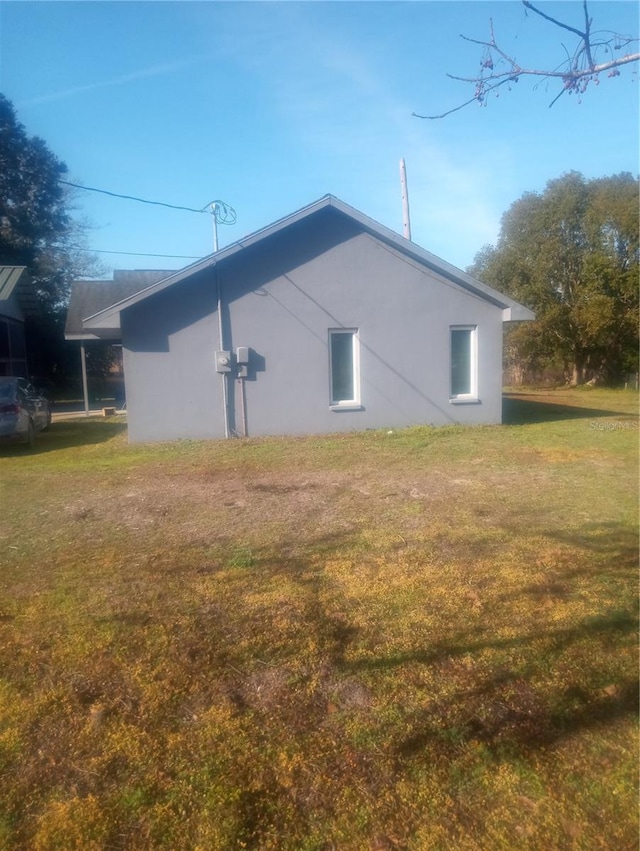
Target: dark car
column 23, row 411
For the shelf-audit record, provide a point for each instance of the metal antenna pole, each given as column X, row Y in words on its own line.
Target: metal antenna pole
column 406, row 223
column 214, row 209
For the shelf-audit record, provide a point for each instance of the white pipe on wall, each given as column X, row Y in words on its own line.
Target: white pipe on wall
column 225, row 403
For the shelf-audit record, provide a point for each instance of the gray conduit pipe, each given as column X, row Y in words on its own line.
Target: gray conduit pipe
column 223, row 375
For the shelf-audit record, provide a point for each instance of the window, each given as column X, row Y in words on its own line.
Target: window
column 464, row 373
column 344, row 368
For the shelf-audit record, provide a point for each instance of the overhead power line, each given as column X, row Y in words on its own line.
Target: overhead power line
column 137, row 253
column 130, row 253
column 222, row 212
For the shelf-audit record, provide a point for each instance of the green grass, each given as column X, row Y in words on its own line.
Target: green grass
column 415, row 639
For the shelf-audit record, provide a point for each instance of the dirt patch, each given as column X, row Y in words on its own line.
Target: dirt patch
column 235, row 500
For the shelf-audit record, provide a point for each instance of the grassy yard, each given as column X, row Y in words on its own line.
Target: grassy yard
column 418, row 639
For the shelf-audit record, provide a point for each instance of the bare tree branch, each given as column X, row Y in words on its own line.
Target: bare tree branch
column 576, row 72
column 558, row 23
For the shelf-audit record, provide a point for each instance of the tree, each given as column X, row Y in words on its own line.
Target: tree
column 33, row 204
column 37, row 230
column 572, row 254
column 594, row 54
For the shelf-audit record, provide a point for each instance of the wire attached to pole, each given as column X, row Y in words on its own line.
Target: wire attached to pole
column 223, row 212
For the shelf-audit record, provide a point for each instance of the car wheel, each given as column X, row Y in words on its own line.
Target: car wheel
column 48, row 422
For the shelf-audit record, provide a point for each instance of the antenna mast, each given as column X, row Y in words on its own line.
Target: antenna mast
column 406, row 223
column 214, row 213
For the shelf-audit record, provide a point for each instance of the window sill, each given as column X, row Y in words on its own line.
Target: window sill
column 346, row 407
column 461, row 400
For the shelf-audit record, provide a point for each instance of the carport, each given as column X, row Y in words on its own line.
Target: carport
column 89, row 297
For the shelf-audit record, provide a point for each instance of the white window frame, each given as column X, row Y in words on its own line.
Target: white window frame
column 472, row 396
column 346, row 404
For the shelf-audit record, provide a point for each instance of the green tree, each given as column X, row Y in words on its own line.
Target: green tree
column 38, row 230
column 571, row 254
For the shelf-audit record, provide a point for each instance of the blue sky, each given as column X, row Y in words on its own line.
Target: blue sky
column 269, row 106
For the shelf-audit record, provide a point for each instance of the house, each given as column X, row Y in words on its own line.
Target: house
column 89, row 297
column 324, row 321
column 17, row 303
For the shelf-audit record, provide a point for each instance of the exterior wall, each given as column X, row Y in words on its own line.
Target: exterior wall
column 172, row 390
column 280, row 300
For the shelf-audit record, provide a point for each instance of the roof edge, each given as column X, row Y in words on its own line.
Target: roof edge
column 512, row 309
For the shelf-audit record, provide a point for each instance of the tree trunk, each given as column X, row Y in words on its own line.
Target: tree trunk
column 578, row 373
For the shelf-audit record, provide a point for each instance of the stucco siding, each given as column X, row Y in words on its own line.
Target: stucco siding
column 173, row 391
column 280, row 300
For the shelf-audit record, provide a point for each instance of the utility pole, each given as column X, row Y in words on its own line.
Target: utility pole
column 214, row 212
column 85, row 386
column 406, row 223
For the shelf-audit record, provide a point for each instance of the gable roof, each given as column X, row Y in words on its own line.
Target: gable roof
column 89, row 297
column 109, row 317
column 16, row 279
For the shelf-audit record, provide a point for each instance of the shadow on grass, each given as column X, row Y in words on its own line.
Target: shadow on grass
column 521, row 409
column 614, row 546
column 500, row 707
column 68, row 435
column 505, row 710
column 521, row 719
column 615, row 541
column 478, row 696
column 616, row 623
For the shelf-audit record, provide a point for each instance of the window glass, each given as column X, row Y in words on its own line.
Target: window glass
column 464, row 362
column 342, row 382
column 461, row 361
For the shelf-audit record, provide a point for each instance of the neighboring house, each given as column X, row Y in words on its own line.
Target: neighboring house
column 17, row 303
column 89, row 297
column 324, row 321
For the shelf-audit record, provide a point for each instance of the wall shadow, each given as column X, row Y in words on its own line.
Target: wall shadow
column 520, row 409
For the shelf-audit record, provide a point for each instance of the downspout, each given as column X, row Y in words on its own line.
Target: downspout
column 225, row 404
column 243, row 403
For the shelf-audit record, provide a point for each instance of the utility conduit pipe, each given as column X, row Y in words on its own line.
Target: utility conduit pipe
column 223, row 375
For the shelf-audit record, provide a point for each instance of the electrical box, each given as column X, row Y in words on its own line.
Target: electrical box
column 242, row 361
column 223, row 361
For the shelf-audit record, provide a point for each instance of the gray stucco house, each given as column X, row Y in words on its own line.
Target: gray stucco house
column 324, row 321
